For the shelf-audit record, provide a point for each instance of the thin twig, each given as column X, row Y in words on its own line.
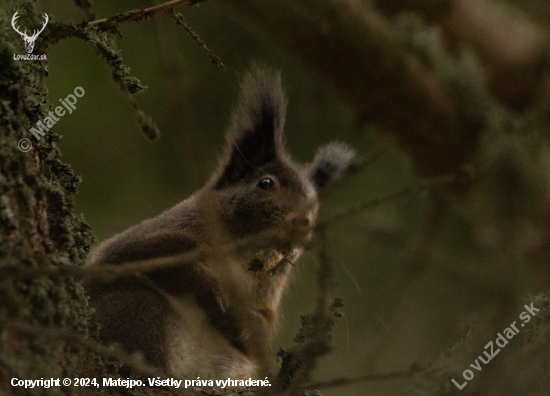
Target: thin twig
column 409, row 191
column 313, row 340
column 109, row 272
column 178, row 18
column 102, row 272
column 324, row 277
column 139, row 14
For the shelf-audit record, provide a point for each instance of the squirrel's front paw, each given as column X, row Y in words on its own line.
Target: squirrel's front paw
column 265, row 259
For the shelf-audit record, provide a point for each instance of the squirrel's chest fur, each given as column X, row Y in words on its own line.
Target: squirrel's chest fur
column 195, row 348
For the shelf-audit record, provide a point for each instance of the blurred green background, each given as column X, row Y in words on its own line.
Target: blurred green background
column 401, row 304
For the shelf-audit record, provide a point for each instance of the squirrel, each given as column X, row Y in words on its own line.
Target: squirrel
column 214, row 314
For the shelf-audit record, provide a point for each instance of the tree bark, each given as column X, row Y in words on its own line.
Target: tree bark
column 38, row 228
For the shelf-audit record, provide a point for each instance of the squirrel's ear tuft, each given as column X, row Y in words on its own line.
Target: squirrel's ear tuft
column 256, row 132
column 329, row 163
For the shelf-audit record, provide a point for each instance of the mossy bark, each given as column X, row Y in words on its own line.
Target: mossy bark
column 38, row 228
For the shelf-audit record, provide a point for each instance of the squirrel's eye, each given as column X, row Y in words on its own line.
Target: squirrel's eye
column 266, row 184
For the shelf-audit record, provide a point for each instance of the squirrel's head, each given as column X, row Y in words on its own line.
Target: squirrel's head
column 263, row 198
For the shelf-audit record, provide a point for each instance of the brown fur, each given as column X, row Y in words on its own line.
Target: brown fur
column 214, row 316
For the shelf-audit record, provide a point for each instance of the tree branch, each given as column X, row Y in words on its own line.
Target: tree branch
column 139, row 14
column 109, row 272
column 359, row 53
column 513, row 48
column 406, row 192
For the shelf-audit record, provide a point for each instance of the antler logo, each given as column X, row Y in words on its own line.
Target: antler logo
column 29, row 40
